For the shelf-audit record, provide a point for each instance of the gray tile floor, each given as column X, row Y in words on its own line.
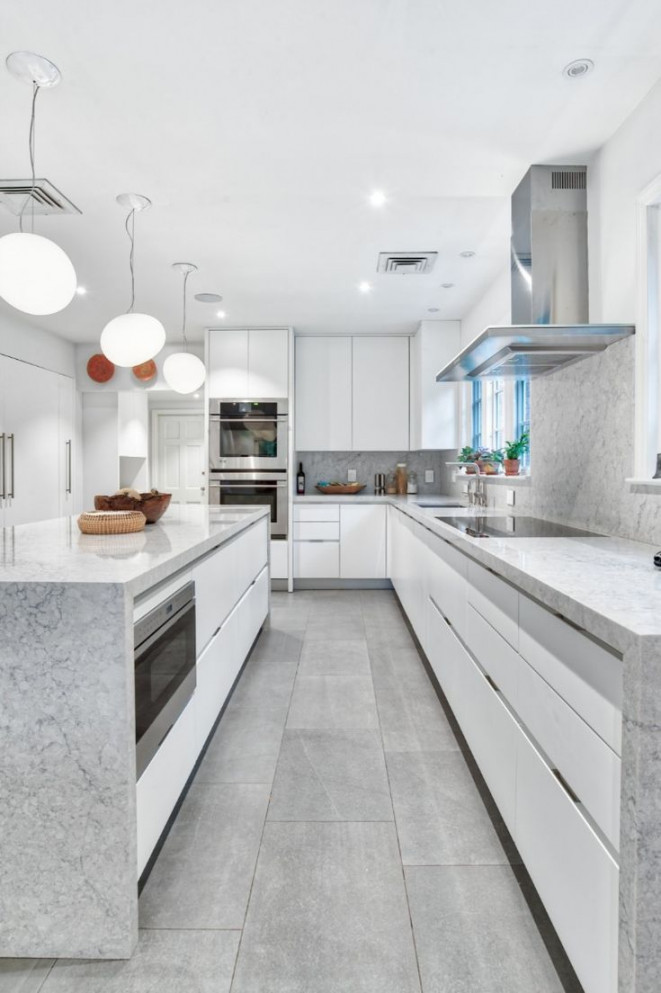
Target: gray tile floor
column 334, row 840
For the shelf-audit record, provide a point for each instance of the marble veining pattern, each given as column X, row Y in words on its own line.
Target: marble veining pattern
column 333, row 466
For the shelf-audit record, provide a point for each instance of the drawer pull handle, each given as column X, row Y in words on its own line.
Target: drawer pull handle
column 565, row 785
column 491, row 682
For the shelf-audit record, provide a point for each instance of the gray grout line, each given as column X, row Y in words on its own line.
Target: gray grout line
column 48, row 972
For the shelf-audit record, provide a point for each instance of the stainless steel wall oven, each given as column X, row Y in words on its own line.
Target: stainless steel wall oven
column 227, row 489
column 248, row 435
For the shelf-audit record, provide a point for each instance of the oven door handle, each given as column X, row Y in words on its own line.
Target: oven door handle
column 145, row 645
column 264, row 485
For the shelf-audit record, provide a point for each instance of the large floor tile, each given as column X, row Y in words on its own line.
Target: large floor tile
column 441, row 819
column 264, row 685
column 339, row 700
column 245, row 746
column 203, row 875
column 276, row 645
column 23, row 975
column 328, row 913
column 474, row 933
column 328, row 657
column 393, row 636
column 164, row 962
column 331, row 776
column 412, row 718
column 335, row 627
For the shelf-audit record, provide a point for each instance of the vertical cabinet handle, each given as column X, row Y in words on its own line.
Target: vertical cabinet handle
column 3, row 473
column 10, row 437
column 69, row 482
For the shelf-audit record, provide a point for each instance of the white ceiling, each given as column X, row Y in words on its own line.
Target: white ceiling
column 258, row 129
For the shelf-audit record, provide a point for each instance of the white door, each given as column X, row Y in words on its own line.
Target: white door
column 323, row 394
column 380, row 393
column 31, row 425
column 179, row 464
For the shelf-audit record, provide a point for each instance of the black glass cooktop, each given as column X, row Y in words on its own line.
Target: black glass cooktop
column 507, row 526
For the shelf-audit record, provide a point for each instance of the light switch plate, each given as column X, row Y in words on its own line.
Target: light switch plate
column 351, row 476
column 510, row 497
column 429, row 475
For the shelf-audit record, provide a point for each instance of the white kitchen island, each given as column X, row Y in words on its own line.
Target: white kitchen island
column 75, row 833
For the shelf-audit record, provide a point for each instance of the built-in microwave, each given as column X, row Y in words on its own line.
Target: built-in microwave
column 247, row 435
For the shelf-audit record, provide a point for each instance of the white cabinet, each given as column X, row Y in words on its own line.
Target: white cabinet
column 36, row 464
column 362, row 541
column 323, row 393
column 248, row 363
column 380, row 392
column 435, row 421
column 316, row 560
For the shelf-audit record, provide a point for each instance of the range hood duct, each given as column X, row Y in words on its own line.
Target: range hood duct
column 549, row 278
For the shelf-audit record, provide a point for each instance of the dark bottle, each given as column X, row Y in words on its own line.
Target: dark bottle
column 300, row 479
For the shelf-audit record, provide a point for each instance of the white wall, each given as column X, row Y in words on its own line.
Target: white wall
column 495, row 307
column 123, row 379
column 21, row 340
column 100, row 446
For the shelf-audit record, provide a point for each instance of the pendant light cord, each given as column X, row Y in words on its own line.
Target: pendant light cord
column 130, row 230
column 31, row 144
column 183, row 325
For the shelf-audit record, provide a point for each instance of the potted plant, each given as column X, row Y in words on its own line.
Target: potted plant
column 513, row 451
column 469, row 458
column 489, row 461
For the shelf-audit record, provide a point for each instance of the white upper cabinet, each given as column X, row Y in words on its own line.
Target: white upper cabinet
column 323, row 393
column 268, row 363
column 380, row 393
column 434, row 406
column 249, row 363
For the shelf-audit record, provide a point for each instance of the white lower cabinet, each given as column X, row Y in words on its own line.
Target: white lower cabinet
column 363, row 541
column 316, row 560
column 279, row 559
column 575, row 875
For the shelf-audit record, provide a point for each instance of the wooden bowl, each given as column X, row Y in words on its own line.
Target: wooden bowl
column 152, row 505
column 340, row 489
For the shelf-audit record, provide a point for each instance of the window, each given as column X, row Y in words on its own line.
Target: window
column 522, row 413
column 498, row 414
column 476, row 413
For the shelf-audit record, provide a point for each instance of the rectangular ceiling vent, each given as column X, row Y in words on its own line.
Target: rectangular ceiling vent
column 406, row 263
column 566, row 179
column 43, row 199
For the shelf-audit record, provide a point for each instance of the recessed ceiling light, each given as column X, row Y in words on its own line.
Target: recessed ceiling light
column 81, row 291
column 468, row 254
column 208, row 297
column 364, row 287
column 378, row 198
column 447, row 286
column 196, row 396
column 432, row 310
column 578, row 68
column 221, row 314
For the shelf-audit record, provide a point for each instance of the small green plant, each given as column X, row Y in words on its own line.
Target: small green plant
column 515, row 449
column 466, row 454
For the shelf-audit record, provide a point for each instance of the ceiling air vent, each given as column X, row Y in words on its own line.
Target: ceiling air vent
column 406, row 263
column 566, row 179
column 43, row 199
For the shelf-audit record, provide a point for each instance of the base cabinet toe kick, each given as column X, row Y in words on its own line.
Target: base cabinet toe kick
column 540, row 705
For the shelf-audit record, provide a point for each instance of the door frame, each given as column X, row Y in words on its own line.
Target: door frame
column 154, row 432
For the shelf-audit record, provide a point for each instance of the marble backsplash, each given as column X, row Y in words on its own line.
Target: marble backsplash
column 333, row 466
column 582, row 433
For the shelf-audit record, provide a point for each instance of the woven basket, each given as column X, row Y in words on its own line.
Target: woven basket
column 111, row 521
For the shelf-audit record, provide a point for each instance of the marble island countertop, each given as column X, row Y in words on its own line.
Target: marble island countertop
column 608, row 586
column 55, row 551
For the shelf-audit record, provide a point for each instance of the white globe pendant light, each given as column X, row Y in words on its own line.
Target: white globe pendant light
column 131, row 338
column 36, row 275
column 182, row 371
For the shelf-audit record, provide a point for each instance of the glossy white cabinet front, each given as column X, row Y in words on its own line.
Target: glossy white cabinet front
column 248, row 363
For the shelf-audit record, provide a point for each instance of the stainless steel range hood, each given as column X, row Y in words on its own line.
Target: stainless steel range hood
column 549, row 275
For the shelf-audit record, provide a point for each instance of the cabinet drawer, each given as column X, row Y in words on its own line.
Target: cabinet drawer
column 447, row 581
column 317, row 512
column 316, row 560
column 494, row 654
column 160, row 785
column 317, row 531
column 252, row 614
column 591, row 768
column 490, row 730
column 442, row 649
column 575, row 875
column 496, row 600
column 216, row 671
column 585, row 674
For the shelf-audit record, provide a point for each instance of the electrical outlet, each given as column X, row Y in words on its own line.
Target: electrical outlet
column 351, row 476
column 510, row 497
column 429, row 475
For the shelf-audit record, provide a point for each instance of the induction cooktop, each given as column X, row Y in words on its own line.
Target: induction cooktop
column 507, row 526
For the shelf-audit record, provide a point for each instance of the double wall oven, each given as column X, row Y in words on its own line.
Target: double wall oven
column 248, row 446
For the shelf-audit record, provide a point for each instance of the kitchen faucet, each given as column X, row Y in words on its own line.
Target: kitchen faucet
column 477, row 495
